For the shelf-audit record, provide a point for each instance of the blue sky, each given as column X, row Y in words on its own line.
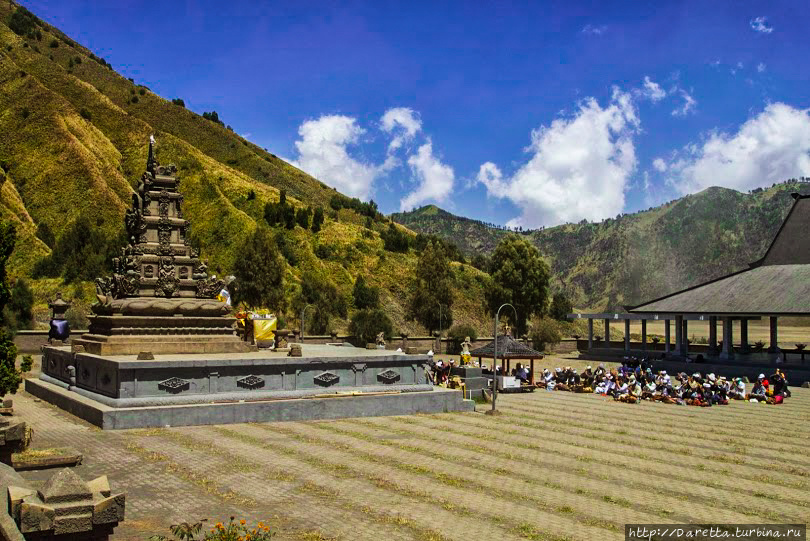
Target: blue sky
column 526, row 114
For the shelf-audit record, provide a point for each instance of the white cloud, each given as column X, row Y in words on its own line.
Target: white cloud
column 653, row 90
column 402, row 120
column 761, row 67
column 659, row 165
column 760, row 24
column 594, row 30
column 771, row 146
column 323, row 153
column 688, row 104
column 579, row 166
column 435, row 178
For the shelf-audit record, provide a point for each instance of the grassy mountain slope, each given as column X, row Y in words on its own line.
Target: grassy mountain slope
column 643, row 255
column 75, row 138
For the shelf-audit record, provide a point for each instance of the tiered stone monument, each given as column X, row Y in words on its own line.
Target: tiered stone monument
column 160, row 297
column 162, row 349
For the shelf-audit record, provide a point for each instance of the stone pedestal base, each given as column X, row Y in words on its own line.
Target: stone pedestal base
column 161, row 344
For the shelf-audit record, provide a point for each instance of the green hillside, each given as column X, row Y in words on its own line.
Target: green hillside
column 75, row 138
column 643, row 255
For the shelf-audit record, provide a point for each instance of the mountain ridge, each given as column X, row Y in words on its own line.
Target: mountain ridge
column 639, row 256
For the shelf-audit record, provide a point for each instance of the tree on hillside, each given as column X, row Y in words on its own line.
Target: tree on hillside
column 432, row 286
column 364, row 295
column 18, row 313
column 367, row 324
column 259, row 273
column 394, row 240
column 10, row 377
column 317, row 220
column 319, row 291
column 519, row 277
column 560, row 307
column 302, row 217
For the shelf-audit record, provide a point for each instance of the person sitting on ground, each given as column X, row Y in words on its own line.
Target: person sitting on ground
column 600, row 372
column 737, row 391
column 630, row 392
column 587, row 377
column 758, row 392
column 521, row 373
column 649, row 390
column 778, row 394
column 550, row 382
column 562, row 382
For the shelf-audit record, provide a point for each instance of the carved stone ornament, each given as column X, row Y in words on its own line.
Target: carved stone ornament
column 178, row 205
column 163, row 203
column 209, row 288
column 250, row 382
column 168, row 283
column 165, row 236
column 389, row 376
column 326, row 379
column 174, row 385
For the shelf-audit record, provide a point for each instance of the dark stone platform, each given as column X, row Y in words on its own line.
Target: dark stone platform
column 326, row 382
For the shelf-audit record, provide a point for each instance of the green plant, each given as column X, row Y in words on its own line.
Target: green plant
column 366, row 324
column 560, row 307
column 179, row 101
column 77, row 318
column 317, row 219
column 457, row 334
column 431, row 295
column 519, row 277
column 545, row 332
column 364, row 295
column 259, row 273
column 85, row 114
column 54, row 44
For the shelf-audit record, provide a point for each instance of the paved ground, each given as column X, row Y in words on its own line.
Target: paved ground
column 553, row 466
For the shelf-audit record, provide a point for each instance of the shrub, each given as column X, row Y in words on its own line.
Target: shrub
column 545, row 332
column 251, row 195
column 457, row 334
column 560, row 307
column 364, row 295
column 18, row 313
column 25, row 112
column 394, row 239
column 142, row 91
column 77, row 60
column 54, row 44
column 366, row 324
column 232, row 531
column 77, row 318
column 85, row 114
column 45, row 234
column 317, row 220
column 179, row 101
column 134, row 99
column 22, row 22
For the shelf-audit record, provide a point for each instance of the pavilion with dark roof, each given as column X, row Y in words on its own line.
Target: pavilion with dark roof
column 508, row 349
column 776, row 285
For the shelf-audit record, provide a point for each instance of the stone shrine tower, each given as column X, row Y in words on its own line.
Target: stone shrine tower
column 160, row 297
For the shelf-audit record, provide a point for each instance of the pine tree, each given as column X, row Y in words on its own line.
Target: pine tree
column 431, row 298
column 260, row 273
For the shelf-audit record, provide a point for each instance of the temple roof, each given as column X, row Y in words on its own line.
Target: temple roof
column 777, row 284
column 508, row 348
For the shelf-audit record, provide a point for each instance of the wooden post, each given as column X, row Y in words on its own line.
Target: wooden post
column 626, row 335
column 667, row 336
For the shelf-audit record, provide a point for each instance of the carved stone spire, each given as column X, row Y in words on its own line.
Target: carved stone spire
column 150, row 161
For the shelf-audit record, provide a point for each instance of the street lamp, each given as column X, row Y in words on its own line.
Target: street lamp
column 439, row 347
column 303, row 312
column 495, row 357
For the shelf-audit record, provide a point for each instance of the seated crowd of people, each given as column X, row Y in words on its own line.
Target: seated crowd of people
column 633, row 384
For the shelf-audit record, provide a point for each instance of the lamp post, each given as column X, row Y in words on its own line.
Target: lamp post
column 439, row 347
column 495, row 357
column 303, row 313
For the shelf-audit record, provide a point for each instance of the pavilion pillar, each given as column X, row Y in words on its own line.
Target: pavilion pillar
column 685, row 338
column 531, row 379
column 678, row 335
column 643, row 335
column 728, row 337
column 590, row 334
column 712, row 335
column 667, row 337
column 627, row 335
column 774, row 336
column 744, row 336
column 607, row 333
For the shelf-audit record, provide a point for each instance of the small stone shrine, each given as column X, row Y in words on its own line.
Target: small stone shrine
column 160, row 297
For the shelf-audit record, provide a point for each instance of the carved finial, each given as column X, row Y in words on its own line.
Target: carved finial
column 150, row 161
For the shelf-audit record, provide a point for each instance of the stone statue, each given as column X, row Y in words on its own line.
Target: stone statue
column 381, row 340
column 465, row 346
column 201, row 270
